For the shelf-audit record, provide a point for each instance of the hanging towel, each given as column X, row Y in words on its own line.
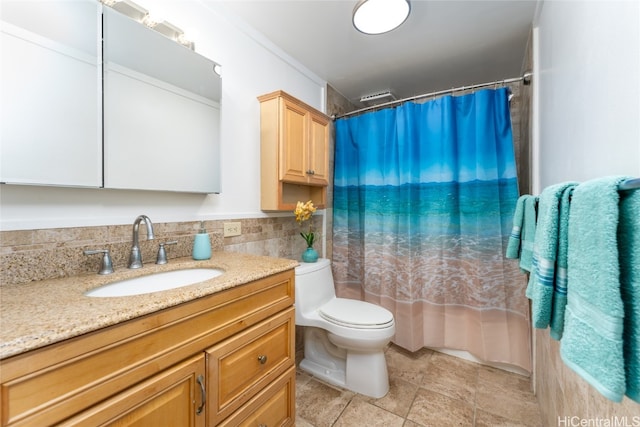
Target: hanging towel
column 592, row 341
column 528, row 232
column 629, row 253
column 545, row 249
column 513, row 246
column 560, row 285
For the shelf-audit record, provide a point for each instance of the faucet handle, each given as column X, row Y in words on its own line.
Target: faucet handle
column 162, row 253
column 107, row 265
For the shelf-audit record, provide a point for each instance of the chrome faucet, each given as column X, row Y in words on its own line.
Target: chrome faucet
column 135, row 259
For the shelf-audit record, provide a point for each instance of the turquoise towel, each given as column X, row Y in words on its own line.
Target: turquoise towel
column 528, row 233
column 545, row 249
column 560, row 286
column 513, row 246
column 592, row 341
column 629, row 250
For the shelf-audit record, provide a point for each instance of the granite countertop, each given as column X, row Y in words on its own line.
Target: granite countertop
column 40, row 313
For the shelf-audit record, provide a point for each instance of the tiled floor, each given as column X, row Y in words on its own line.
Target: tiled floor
column 427, row 388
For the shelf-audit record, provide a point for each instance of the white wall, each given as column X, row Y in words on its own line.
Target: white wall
column 588, row 88
column 251, row 66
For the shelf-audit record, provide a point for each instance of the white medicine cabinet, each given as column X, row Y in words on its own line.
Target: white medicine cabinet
column 51, row 101
column 93, row 98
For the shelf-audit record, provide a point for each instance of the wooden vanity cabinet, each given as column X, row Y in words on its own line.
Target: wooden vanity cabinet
column 294, row 142
column 224, row 359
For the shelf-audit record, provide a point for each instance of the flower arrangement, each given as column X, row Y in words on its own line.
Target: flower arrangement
column 303, row 212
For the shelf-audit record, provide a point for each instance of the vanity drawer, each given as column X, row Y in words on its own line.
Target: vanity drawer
column 273, row 406
column 245, row 364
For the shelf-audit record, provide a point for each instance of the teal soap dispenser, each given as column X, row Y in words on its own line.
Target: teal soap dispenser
column 202, row 244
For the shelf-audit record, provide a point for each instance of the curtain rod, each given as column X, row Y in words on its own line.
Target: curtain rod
column 526, row 78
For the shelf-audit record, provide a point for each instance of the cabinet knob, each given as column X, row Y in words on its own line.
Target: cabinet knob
column 262, row 359
column 311, row 172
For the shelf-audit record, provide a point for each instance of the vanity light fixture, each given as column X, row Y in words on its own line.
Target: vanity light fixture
column 140, row 14
column 380, row 16
column 129, row 8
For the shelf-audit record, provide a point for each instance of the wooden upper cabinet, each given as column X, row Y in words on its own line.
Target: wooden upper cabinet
column 319, row 149
column 294, row 152
column 294, row 146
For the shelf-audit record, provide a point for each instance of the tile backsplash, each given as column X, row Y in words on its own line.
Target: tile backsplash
column 30, row 255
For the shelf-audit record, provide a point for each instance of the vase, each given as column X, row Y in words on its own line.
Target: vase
column 310, row 255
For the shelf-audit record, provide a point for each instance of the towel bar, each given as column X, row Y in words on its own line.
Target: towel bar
column 629, row 184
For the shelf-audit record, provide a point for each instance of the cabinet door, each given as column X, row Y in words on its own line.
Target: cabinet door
column 50, row 80
column 161, row 112
column 175, row 397
column 293, row 149
column 318, row 150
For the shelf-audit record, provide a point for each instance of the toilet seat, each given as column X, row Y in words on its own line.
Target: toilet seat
column 356, row 314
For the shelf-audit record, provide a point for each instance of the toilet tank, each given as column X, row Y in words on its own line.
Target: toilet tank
column 314, row 285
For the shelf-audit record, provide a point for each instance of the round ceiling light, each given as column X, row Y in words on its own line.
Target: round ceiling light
column 380, row 16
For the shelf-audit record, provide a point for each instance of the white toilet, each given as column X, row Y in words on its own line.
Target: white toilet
column 344, row 339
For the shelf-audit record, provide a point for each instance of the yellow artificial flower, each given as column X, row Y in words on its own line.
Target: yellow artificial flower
column 303, row 212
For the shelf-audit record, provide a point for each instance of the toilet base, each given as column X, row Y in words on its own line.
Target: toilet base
column 332, row 376
column 362, row 372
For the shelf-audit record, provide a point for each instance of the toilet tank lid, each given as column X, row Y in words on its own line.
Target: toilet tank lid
column 310, row 267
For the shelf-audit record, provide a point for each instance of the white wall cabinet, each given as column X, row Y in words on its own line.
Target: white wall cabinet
column 160, row 128
column 51, row 103
column 161, row 112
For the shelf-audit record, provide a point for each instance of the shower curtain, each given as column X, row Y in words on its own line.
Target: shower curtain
column 424, row 196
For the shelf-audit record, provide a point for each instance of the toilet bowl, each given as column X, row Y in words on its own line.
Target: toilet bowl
column 344, row 339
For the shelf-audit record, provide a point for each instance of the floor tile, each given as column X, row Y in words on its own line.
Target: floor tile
column 320, row 404
column 485, row 419
column 399, row 398
column 407, row 365
column 508, row 380
column 302, row 378
column 361, row 413
column 302, row 422
column 426, row 388
column 507, row 395
column 452, row 376
column 434, row 409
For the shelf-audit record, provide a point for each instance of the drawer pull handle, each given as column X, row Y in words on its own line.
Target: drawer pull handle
column 200, row 381
column 262, row 359
column 262, row 425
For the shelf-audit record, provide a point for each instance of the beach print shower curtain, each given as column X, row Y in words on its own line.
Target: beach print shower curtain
column 424, row 196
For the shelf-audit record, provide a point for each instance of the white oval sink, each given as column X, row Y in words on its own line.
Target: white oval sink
column 155, row 282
